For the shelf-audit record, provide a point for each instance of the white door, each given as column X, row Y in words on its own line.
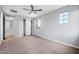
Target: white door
column 28, row 27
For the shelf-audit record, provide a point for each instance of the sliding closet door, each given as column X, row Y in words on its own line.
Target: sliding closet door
column 28, row 27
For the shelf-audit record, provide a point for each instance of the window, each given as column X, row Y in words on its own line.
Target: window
column 38, row 23
column 63, row 17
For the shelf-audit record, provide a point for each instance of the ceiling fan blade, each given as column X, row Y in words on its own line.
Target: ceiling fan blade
column 38, row 10
column 15, row 11
column 26, row 9
column 30, row 12
column 32, row 7
column 34, row 12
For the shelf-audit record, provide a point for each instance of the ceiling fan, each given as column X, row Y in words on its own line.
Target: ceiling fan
column 14, row 11
column 32, row 10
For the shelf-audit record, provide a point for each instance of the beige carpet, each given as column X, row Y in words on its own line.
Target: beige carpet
column 34, row 45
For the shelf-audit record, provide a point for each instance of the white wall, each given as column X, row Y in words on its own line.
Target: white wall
column 21, row 28
column 8, row 27
column 15, row 27
column 50, row 28
column 1, row 26
column 18, row 26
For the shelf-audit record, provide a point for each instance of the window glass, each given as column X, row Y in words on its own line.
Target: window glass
column 65, row 13
column 65, row 21
column 61, row 22
column 38, row 23
column 63, row 17
column 61, row 14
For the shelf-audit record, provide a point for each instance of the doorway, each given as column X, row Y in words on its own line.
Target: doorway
column 26, row 27
column 7, row 26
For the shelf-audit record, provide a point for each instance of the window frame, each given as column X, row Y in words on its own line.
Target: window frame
column 62, row 21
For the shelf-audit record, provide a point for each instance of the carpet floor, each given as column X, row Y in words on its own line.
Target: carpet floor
column 34, row 45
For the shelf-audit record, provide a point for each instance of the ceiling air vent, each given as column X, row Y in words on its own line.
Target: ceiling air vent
column 15, row 11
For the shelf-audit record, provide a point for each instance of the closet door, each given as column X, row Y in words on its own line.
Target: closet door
column 28, row 27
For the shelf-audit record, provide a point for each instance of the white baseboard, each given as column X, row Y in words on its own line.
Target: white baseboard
column 58, row 41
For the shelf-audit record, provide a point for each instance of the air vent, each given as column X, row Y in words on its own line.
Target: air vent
column 15, row 11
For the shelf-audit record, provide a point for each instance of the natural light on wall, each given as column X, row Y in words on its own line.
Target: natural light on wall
column 38, row 23
column 64, row 17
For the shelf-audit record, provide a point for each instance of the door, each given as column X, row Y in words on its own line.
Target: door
column 28, row 27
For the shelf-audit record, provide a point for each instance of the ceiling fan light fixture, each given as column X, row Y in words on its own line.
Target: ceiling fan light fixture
column 32, row 14
column 32, row 10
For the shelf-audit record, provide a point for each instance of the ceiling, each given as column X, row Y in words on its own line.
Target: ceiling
column 20, row 11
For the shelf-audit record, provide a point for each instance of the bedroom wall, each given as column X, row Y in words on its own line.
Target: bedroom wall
column 52, row 30
column 8, row 27
column 18, row 26
column 1, row 26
